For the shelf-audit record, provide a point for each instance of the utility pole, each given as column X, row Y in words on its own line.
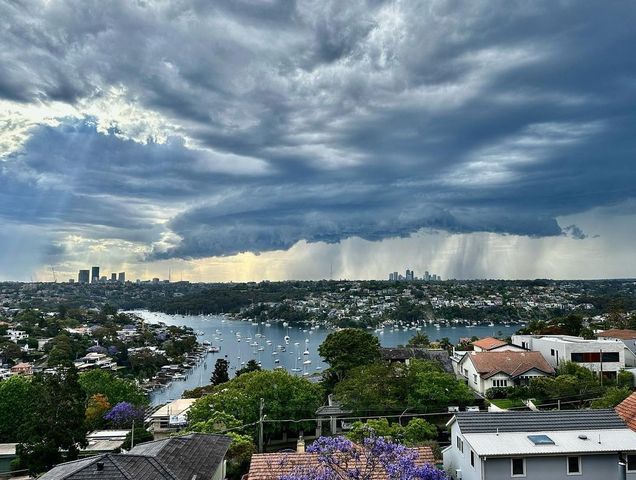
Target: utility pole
column 132, row 435
column 260, row 426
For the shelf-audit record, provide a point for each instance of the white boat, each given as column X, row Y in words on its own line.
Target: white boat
column 307, row 362
column 214, row 349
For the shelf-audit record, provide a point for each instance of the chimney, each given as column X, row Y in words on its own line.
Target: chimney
column 100, row 466
column 300, row 445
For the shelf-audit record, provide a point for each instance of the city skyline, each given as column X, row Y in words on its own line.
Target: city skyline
column 281, row 140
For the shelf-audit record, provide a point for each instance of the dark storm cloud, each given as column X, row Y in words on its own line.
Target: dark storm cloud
column 324, row 120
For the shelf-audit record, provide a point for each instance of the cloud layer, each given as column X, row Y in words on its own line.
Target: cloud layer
column 197, row 129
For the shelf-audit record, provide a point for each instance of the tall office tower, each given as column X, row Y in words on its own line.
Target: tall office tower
column 396, row 276
column 83, row 276
column 407, row 276
column 113, row 277
column 122, row 277
column 427, row 276
column 390, row 276
column 95, row 275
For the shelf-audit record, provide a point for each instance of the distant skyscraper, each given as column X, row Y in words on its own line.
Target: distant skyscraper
column 95, row 275
column 427, row 276
column 113, row 277
column 83, row 276
column 122, row 277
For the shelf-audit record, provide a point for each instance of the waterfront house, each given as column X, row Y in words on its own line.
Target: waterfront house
column 170, row 418
column 484, row 370
column 604, row 357
column 555, row 445
column 194, row 456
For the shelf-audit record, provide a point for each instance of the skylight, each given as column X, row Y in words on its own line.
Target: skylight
column 540, row 439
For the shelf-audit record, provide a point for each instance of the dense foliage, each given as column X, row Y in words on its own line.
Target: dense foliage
column 349, row 348
column 285, row 397
column 114, row 388
column 55, row 429
column 393, row 387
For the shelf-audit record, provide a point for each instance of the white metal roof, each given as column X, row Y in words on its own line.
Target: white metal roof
column 568, row 441
column 176, row 407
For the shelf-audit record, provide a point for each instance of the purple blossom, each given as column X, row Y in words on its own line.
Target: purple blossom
column 112, row 350
column 123, row 414
column 341, row 459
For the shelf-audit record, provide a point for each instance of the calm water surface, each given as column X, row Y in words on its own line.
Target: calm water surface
column 241, row 341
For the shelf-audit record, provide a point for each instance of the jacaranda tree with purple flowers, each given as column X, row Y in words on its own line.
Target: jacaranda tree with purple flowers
column 341, row 459
column 123, row 414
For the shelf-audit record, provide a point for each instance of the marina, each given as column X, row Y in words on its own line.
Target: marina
column 276, row 345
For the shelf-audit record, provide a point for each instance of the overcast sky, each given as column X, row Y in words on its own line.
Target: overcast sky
column 252, row 139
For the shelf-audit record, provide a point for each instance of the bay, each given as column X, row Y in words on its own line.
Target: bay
column 241, row 341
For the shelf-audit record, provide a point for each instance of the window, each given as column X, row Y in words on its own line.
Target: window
column 460, row 444
column 631, row 463
column 611, row 357
column 586, row 357
column 574, row 465
column 518, row 467
column 475, row 379
column 552, row 352
column 500, row 383
column 472, row 458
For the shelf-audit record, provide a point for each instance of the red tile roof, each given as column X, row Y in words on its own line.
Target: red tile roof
column 271, row 466
column 622, row 334
column 627, row 411
column 512, row 363
column 488, row 343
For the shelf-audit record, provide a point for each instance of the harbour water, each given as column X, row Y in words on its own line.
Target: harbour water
column 275, row 345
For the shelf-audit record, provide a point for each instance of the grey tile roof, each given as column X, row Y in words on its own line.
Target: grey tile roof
column 490, row 422
column 177, row 458
column 188, row 455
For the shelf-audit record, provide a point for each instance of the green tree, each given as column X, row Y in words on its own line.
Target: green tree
column 612, row 397
column 284, row 395
column 431, row 388
column 418, row 432
column 55, row 430
column 17, row 395
column 625, row 379
column 9, row 351
column 419, row 340
column 250, row 366
column 220, row 374
column 115, row 389
column 377, row 387
column 349, row 348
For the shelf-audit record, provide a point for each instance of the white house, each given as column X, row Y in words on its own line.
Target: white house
column 605, row 357
column 484, row 370
column 554, row 445
column 626, row 337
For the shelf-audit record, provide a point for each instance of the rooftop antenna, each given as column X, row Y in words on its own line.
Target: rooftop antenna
column 54, row 276
column 169, row 274
column 331, row 270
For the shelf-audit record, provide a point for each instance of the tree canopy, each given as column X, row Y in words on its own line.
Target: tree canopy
column 115, row 389
column 392, row 387
column 349, row 348
column 285, row 397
